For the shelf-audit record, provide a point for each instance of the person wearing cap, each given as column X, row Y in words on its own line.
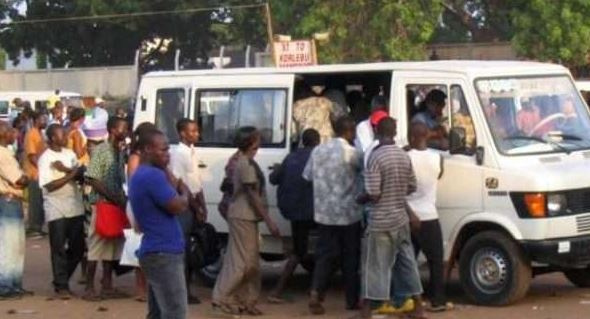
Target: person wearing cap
column 365, row 133
column 374, row 120
column 95, row 124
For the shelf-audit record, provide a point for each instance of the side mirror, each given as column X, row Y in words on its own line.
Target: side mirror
column 479, row 155
column 457, row 143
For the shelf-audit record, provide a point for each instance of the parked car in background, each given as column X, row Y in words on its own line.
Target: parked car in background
column 38, row 100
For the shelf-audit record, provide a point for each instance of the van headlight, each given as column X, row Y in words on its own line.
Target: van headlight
column 556, row 204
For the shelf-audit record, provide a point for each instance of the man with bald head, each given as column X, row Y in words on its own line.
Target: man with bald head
column 428, row 166
column 12, row 229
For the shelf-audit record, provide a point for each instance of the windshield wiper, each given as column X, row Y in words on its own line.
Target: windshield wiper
column 568, row 137
column 538, row 139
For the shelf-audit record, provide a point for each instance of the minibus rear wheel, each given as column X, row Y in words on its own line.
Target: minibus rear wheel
column 493, row 269
column 579, row 277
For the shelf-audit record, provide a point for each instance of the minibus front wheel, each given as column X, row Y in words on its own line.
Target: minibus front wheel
column 494, row 269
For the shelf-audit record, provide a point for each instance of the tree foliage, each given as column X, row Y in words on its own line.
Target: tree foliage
column 379, row 30
column 553, row 31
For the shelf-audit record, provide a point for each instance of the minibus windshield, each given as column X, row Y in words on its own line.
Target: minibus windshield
column 534, row 115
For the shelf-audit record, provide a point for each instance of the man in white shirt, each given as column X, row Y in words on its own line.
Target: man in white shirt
column 365, row 130
column 62, row 202
column 184, row 164
column 428, row 167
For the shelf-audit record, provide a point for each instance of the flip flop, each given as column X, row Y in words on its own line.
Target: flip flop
column 225, row 309
column 91, row 296
column 275, row 300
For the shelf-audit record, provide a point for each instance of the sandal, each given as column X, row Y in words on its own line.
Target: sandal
column 316, row 308
column 225, row 308
column 91, row 296
column 251, row 311
column 275, row 300
column 113, row 293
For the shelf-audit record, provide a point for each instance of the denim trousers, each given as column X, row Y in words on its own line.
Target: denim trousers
column 12, row 246
column 167, row 294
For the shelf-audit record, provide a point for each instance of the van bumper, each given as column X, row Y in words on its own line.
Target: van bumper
column 564, row 252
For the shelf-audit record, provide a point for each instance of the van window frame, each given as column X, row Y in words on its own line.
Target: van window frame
column 185, row 108
column 471, row 151
column 197, row 111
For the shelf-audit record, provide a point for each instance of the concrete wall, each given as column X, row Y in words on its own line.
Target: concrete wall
column 116, row 81
column 474, row 51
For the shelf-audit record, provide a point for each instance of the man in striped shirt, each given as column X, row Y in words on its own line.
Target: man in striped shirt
column 387, row 249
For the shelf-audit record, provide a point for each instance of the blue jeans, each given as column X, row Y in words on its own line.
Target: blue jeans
column 12, row 246
column 167, row 294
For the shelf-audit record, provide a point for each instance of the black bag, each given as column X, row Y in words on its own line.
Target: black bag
column 204, row 248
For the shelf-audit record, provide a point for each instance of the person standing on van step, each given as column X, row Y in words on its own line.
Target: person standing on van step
column 387, row 246
column 313, row 111
column 34, row 147
column 295, row 201
column 59, row 171
column 106, row 176
column 238, row 285
column 12, row 228
column 184, row 164
column 429, row 167
column 432, row 116
column 156, row 200
column 333, row 168
column 365, row 130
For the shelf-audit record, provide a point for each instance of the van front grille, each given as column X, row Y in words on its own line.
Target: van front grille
column 578, row 201
column 583, row 223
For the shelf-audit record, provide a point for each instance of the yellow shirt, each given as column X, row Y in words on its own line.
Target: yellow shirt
column 77, row 134
column 34, row 144
column 10, row 173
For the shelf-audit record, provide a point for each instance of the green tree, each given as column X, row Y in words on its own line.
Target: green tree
column 553, row 31
column 114, row 41
column 364, row 31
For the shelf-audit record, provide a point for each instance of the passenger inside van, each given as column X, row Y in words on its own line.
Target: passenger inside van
column 431, row 114
column 313, row 111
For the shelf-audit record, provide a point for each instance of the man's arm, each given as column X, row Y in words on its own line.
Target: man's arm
column 101, row 188
column 61, row 182
column 179, row 203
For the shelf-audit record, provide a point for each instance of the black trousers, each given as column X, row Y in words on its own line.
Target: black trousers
column 430, row 242
column 66, row 239
column 334, row 242
column 300, row 234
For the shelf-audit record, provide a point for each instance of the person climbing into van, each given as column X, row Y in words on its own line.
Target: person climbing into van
column 295, row 201
column 365, row 130
column 334, row 168
column 428, row 167
column 313, row 111
column 432, row 115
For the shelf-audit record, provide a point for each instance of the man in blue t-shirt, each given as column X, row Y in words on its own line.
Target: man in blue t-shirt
column 156, row 199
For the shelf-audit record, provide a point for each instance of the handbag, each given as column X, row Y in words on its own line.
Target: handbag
column 110, row 220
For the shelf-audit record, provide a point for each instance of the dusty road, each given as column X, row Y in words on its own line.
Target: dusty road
column 551, row 297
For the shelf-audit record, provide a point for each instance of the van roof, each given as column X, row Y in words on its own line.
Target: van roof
column 472, row 68
column 47, row 93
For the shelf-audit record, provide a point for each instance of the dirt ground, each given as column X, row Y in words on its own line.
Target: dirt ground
column 551, row 297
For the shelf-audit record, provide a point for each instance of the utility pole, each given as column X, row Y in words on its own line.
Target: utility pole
column 269, row 30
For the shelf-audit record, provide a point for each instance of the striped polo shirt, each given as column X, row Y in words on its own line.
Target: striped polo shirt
column 390, row 176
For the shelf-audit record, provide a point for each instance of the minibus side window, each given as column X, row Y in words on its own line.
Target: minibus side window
column 220, row 113
column 169, row 109
column 461, row 117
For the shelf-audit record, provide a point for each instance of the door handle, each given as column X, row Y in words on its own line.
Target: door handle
column 202, row 165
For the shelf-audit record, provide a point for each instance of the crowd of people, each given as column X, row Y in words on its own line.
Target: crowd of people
column 371, row 203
